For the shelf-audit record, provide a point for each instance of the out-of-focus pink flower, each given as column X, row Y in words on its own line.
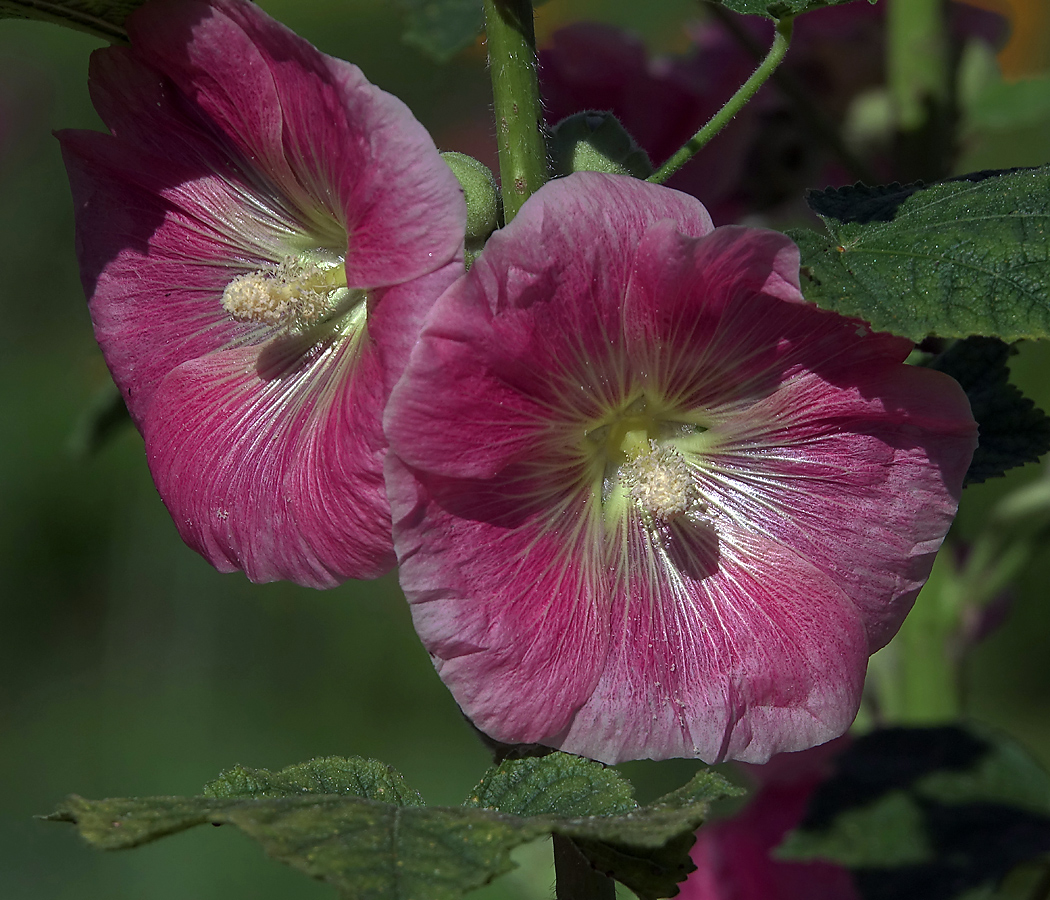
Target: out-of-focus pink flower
column 259, row 237
column 733, row 857
column 661, row 103
column 768, row 153
column 647, row 501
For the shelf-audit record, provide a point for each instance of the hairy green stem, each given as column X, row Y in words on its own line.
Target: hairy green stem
column 516, row 98
column 917, row 59
column 577, row 879
column 807, row 109
column 781, row 41
column 921, row 75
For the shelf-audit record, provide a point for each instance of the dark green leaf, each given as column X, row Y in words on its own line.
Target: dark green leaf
column 927, row 814
column 777, row 9
column 103, row 18
column 365, row 778
column 648, row 850
column 364, row 848
column 558, row 784
column 564, row 785
column 1013, row 430
column 962, row 257
column 370, row 849
column 441, row 28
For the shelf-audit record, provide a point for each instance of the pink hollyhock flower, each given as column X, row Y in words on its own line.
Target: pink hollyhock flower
column 734, row 857
column 259, row 237
column 647, row 501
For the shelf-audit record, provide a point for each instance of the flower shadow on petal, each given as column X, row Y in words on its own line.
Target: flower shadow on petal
column 692, row 547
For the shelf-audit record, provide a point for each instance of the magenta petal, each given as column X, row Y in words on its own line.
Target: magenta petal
column 530, row 321
column 487, row 598
column 735, row 858
column 836, row 430
column 316, row 127
column 744, row 650
column 269, row 461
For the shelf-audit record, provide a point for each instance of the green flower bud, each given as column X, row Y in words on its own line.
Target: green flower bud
column 484, row 205
column 594, row 141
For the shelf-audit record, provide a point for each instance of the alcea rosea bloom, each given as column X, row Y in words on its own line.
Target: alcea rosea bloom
column 259, row 237
column 647, row 501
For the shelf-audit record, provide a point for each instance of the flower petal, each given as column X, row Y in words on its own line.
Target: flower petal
column 316, row 128
column 155, row 254
column 727, row 647
column 488, row 594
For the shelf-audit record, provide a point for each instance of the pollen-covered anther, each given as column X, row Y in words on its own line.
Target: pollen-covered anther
column 661, row 482
column 293, row 294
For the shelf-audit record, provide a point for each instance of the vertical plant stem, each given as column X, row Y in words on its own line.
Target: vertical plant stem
column 917, row 59
column 519, row 123
column 781, row 41
column 920, row 76
column 576, row 878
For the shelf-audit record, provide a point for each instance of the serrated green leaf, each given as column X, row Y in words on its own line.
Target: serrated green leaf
column 564, row 785
column 939, row 813
column 369, row 849
column 102, row 18
column 648, row 849
column 441, row 28
column 364, row 848
column 963, row 257
column 1013, row 430
column 356, row 777
column 557, row 784
column 777, row 9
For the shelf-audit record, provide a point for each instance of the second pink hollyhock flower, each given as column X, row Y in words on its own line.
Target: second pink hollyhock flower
column 259, row 237
column 647, row 501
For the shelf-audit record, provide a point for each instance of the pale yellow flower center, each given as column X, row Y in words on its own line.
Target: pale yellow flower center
column 295, row 295
column 643, row 468
column 660, row 482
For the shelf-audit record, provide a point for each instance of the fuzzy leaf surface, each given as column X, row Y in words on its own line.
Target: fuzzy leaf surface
column 777, row 9
column 1013, row 430
column 374, row 850
column 557, row 784
column 102, row 18
column 961, row 257
column 441, row 28
column 930, row 813
column 355, row 777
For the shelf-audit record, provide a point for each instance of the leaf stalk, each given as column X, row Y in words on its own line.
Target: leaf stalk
column 781, row 42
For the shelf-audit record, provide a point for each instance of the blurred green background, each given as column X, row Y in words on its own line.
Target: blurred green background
column 128, row 666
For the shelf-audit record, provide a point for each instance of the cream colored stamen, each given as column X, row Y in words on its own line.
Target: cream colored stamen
column 295, row 294
column 661, row 482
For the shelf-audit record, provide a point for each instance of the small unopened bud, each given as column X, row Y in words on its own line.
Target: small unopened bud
column 596, row 142
column 484, row 205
